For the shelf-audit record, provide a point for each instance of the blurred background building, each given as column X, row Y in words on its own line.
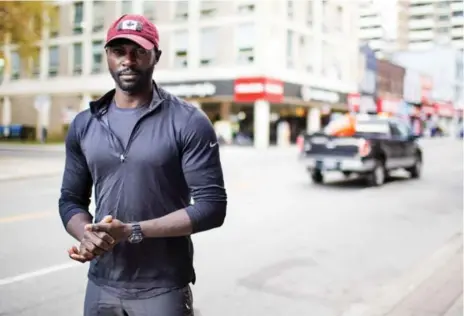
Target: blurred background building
column 263, row 71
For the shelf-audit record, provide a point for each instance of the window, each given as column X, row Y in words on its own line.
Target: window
column 309, row 53
column 55, row 22
column 324, row 16
column 245, row 41
column 77, row 59
column 208, row 8
column 181, row 10
column 53, row 61
column 34, row 63
column 246, row 8
column 339, row 19
column 208, row 49
column 97, row 57
column 78, row 18
column 399, row 130
column 98, row 16
column 290, row 50
column 126, row 7
column 309, row 13
column 290, row 11
column 149, row 10
column 15, row 65
column 181, row 49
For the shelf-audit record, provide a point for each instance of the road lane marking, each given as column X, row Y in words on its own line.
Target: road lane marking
column 37, row 273
column 24, row 217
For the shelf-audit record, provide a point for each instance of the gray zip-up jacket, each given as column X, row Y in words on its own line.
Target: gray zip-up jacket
column 172, row 155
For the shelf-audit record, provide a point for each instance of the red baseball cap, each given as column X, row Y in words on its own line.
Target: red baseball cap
column 136, row 28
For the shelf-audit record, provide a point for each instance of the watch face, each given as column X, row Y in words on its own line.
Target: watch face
column 135, row 238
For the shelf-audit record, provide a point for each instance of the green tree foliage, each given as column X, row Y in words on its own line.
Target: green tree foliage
column 21, row 23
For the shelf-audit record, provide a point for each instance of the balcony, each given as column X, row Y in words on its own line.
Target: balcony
column 421, row 24
column 423, row 10
column 420, row 46
column 370, row 21
column 370, row 33
column 455, row 31
column 457, row 20
column 457, row 6
column 421, row 35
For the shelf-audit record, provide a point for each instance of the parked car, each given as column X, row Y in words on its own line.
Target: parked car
column 378, row 146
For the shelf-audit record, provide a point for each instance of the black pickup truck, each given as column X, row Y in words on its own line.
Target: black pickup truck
column 379, row 145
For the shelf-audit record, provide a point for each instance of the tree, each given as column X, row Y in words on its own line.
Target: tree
column 21, row 24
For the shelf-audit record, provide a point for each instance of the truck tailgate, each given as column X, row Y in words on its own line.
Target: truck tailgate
column 324, row 145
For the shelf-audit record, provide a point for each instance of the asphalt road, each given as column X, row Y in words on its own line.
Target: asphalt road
column 287, row 248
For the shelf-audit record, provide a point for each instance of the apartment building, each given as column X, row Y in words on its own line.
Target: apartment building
column 218, row 54
column 436, row 22
column 383, row 25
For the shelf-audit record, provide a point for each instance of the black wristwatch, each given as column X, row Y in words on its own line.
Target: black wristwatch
column 136, row 235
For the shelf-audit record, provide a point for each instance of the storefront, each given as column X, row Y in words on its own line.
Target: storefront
column 260, row 109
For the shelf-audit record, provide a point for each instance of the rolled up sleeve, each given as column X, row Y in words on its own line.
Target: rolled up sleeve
column 203, row 173
column 76, row 187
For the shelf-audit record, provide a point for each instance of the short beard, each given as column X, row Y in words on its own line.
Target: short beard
column 144, row 80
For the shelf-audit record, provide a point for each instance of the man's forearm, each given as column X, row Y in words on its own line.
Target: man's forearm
column 76, row 225
column 195, row 218
column 175, row 224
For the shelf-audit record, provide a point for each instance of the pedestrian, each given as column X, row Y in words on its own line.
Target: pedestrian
column 147, row 153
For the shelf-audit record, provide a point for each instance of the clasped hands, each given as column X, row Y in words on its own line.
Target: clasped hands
column 99, row 238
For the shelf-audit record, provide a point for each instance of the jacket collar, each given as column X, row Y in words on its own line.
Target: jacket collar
column 100, row 107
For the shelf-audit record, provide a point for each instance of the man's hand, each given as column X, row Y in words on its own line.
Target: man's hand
column 118, row 230
column 92, row 244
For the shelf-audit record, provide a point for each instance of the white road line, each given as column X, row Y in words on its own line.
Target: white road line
column 37, row 273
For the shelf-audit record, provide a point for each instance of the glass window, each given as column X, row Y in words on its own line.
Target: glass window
column 181, row 49
column 34, row 63
column 208, row 48
column 290, row 50
column 290, row 11
column 98, row 16
column 15, row 65
column 181, row 10
column 97, row 57
column 246, row 8
column 208, row 8
column 309, row 12
column 149, row 10
column 55, row 22
column 126, row 7
column 53, row 60
column 78, row 17
column 77, row 58
column 245, row 41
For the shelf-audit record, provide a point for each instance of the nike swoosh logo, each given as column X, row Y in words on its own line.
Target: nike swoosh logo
column 212, row 144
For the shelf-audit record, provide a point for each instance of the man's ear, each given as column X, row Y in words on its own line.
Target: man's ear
column 157, row 55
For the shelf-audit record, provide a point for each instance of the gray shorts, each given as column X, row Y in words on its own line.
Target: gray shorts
column 102, row 303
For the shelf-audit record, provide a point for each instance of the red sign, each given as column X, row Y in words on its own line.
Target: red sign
column 354, row 102
column 444, row 109
column 388, row 106
column 258, row 88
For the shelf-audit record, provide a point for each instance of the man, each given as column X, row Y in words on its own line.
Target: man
column 147, row 153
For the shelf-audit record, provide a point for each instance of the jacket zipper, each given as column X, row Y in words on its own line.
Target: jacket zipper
column 123, row 154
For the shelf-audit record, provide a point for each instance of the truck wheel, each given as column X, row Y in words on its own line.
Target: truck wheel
column 416, row 170
column 317, row 177
column 377, row 177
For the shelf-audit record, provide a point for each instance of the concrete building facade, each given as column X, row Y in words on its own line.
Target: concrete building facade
column 207, row 46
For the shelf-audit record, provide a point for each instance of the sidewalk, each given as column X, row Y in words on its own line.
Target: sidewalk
column 23, row 168
column 432, row 288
